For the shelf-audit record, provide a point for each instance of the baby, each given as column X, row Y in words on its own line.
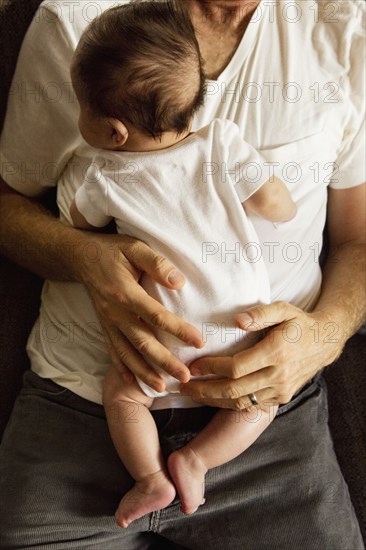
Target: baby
column 138, row 76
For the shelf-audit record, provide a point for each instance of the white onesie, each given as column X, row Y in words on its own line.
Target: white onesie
column 185, row 202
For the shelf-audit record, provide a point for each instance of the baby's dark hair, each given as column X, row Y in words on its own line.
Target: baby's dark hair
column 141, row 63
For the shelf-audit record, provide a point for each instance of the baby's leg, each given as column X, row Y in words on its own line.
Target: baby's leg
column 136, row 439
column 226, row 436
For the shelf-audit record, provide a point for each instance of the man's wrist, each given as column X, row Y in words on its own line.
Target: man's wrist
column 331, row 325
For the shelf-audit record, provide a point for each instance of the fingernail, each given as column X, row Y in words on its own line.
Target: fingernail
column 244, row 319
column 197, row 343
column 175, row 278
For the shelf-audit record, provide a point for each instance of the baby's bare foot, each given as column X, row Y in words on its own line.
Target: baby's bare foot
column 188, row 474
column 151, row 493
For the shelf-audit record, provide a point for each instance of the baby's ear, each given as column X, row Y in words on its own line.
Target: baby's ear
column 119, row 132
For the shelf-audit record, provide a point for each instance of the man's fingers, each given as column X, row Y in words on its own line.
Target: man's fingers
column 227, row 388
column 109, row 338
column 125, row 359
column 128, row 312
column 131, row 340
column 241, row 364
column 129, row 357
column 145, row 343
column 220, row 366
column 159, row 268
column 243, row 405
column 153, row 313
column 266, row 400
column 263, row 316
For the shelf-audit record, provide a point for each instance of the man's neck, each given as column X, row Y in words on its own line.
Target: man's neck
column 220, row 26
column 234, row 13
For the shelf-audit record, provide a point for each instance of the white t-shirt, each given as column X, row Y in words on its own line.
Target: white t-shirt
column 295, row 87
column 185, row 202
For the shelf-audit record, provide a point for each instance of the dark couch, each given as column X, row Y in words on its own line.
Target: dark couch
column 20, row 292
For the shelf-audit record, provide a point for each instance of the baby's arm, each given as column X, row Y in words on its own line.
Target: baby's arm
column 272, row 201
column 89, row 209
column 269, row 199
column 78, row 219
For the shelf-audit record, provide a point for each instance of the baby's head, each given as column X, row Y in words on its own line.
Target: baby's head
column 137, row 72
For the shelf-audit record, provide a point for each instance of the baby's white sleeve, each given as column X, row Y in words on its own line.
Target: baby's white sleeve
column 247, row 168
column 92, row 197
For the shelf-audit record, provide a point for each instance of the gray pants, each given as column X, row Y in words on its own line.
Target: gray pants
column 61, row 481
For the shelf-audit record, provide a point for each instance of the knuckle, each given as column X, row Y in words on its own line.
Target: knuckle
column 131, row 330
column 231, row 392
column 103, row 306
column 260, row 313
column 165, row 363
column 272, row 375
column 240, row 404
column 284, row 397
column 280, row 356
column 131, row 249
column 237, row 368
column 180, row 334
column 281, row 378
column 123, row 355
column 284, row 375
column 284, row 394
column 159, row 263
column 108, row 296
column 158, row 319
column 142, row 345
column 137, row 339
column 252, row 409
column 165, row 366
column 281, row 304
column 114, row 336
column 120, row 297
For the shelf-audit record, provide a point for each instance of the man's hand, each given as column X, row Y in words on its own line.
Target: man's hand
column 298, row 344
column 293, row 350
column 128, row 314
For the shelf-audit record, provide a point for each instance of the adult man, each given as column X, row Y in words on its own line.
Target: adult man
column 303, row 120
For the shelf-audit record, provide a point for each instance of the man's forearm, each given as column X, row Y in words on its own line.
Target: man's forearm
column 343, row 295
column 36, row 240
